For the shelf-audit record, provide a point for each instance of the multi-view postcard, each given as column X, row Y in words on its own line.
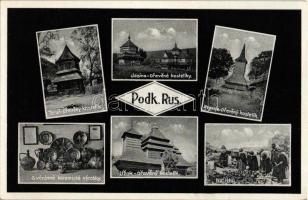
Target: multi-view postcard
column 154, row 147
column 71, row 71
column 154, row 49
column 238, row 73
column 247, row 154
column 61, row 153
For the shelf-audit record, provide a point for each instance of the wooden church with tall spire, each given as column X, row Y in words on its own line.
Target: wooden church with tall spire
column 237, row 80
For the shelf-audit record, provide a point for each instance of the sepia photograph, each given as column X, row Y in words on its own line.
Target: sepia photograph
column 154, row 147
column 238, row 73
column 63, row 154
column 154, row 49
column 247, row 154
column 71, row 71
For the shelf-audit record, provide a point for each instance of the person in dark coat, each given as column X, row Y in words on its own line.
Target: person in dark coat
column 249, row 163
column 242, row 160
column 281, row 166
column 274, row 160
column 223, row 158
column 265, row 162
column 253, row 162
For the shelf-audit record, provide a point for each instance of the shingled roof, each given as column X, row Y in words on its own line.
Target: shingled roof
column 67, row 55
column 242, row 57
column 129, row 44
column 131, row 132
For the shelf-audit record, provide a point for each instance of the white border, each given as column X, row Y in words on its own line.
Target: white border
column 153, row 19
column 208, row 69
column 60, row 123
column 160, row 177
column 102, row 67
column 257, row 185
column 190, row 99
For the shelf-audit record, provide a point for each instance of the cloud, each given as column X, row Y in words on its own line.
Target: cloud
column 171, row 31
column 121, row 125
column 156, row 34
column 248, row 132
column 226, row 132
column 178, row 128
column 118, row 127
column 235, row 45
column 123, row 34
column 142, row 127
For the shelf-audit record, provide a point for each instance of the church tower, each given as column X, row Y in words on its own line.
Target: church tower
column 237, row 80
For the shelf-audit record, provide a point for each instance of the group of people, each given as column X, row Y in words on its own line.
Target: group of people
column 275, row 161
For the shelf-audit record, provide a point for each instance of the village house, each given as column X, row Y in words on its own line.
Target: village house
column 144, row 152
column 177, row 58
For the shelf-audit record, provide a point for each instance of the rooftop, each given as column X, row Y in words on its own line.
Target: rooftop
column 67, row 55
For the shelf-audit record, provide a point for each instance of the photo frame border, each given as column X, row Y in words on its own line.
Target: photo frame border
column 57, row 124
column 208, row 69
column 249, row 185
column 155, row 79
column 103, row 95
column 159, row 177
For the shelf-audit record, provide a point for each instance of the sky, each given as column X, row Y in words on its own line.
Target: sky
column 152, row 35
column 234, row 39
column 246, row 135
column 182, row 132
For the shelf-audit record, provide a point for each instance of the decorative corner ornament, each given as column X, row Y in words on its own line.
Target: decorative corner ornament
column 155, row 98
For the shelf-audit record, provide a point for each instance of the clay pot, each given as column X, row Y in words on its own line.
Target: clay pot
column 62, row 169
column 27, row 162
column 86, row 154
column 39, row 153
column 76, row 165
column 50, row 166
column 96, row 161
column 40, row 164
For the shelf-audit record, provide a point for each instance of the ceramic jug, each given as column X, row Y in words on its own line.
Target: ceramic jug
column 27, row 162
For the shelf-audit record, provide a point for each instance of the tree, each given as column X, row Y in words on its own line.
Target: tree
column 260, row 64
column 170, row 160
column 142, row 53
column 44, row 42
column 87, row 38
column 221, row 62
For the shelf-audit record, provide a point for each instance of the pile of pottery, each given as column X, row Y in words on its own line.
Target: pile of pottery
column 64, row 155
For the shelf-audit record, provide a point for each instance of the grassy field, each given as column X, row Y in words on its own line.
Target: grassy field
column 126, row 72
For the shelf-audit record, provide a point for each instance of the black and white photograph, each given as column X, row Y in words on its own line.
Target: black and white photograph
column 154, row 49
column 154, row 147
column 247, row 154
column 71, row 71
column 238, row 73
column 63, row 155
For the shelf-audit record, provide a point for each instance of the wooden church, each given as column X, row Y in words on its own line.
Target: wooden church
column 129, row 54
column 144, row 152
column 237, row 80
column 68, row 78
column 177, row 58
